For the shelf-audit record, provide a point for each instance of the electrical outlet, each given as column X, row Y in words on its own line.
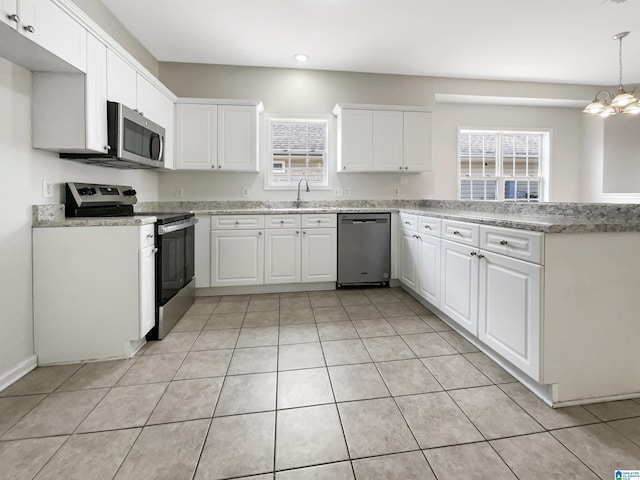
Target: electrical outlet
column 339, row 192
column 245, row 191
column 47, row 189
column 403, row 180
column 396, row 190
column 179, row 192
column 347, row 191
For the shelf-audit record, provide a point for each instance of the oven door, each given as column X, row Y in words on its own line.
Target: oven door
column 175, row 262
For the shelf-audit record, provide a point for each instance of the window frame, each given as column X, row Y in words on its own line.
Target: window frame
column 500, row 177
column 267, row 154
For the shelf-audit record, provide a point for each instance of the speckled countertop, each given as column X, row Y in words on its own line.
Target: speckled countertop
column 546, row 217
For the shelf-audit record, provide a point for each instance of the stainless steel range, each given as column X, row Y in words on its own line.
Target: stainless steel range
column 175, row 234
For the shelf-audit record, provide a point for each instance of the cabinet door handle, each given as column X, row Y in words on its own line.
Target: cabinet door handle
column 29, row 28
column 155, row 250
column 456, row 232
column 281, row 221
column 407, row 223
column 344, row 168
column 14, row 17
column 503, row 242
column 406, row 168
column 149, row 235
column 319, row 221
column 259, row 233
column 400, row 168
column 473, row 254
column 480, row 255
column 304, row 233
column 297, row 232
column 219, row 166
column 107, row 147
column 428, row 227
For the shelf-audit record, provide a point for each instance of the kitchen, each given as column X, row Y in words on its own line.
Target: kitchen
column 282, row 91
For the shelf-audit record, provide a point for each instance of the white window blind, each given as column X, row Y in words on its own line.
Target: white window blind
column 501, row 165
column 298, row 149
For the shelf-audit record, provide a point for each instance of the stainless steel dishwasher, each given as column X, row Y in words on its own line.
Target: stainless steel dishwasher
column 364, row 249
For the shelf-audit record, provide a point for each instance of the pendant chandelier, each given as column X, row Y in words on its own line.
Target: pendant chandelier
column 606, row 104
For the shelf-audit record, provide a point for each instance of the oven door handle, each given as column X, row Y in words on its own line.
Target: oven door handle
column 174, row 227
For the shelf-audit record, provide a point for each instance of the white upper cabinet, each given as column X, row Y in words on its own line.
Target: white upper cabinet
column 387, row 140
column 121, row 81
column 237, row 138
column 82, row 98
column 45, row 38
column 212, row 134
column 381, row 138
column 196, row 135
column 355, row 141
column 417, row 141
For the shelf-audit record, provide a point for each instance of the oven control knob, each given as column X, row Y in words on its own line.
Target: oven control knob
column 129, row 193
column 91, row 191
column 83, row 191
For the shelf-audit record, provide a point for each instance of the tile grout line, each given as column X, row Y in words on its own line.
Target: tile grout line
column 213, row 412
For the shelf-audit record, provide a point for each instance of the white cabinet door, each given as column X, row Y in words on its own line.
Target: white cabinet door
column 151, row 102
column 202, row 253
column 237, row 257
column 147, row 286
column 237, row 138
column 509, row 313
column 47, row 25
column 417, row 141
column 459, row 285
column 319, row 254
column 121, row 81
column 96, row 95
column 429, row 268
column 408, row 259
column 355, row 140
column 282, row 256
column 9, row 8
column 196, row 131
column 387, row 140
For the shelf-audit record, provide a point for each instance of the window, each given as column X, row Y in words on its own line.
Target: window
column 297, row 149
column 502, row 165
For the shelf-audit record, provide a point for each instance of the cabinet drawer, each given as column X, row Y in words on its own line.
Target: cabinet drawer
column 461, row 232
column 282, row 221
column 319, row 220
column 409, row 221
column 147, row 236
column 524, row 245
column 236, row 222
column 430, row 226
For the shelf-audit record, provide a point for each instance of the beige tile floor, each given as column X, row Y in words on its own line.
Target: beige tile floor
column 356, row 384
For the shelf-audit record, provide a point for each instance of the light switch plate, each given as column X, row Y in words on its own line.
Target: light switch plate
column 179, row 192
column 339, row 192
column 396, row 190
column 245, row 191
column 347, row 191
column 47, row 189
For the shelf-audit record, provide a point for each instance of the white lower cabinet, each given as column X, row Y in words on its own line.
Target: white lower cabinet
column 319, row 255
column 109, row 296
column 408, row 258
column 146, row 285
column 282, row 256
column 270, row 249
column 237, row 257
column 459, row 283
column 429, row 268
column 509, row 309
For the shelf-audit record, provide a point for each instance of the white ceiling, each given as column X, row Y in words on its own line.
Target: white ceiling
column 565, row 41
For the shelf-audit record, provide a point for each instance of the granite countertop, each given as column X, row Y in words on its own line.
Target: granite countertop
column 547, row 218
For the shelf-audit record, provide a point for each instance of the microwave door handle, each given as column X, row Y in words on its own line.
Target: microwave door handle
column 161, row 153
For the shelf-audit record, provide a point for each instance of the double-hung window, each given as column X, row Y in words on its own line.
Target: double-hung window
column 502, row 165
column 298, row 149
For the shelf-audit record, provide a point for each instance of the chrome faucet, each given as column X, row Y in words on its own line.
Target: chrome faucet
column 298, row 201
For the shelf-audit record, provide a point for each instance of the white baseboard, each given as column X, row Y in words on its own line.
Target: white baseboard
column 18, row 371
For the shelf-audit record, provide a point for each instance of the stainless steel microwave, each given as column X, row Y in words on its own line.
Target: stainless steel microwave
column 134, row 141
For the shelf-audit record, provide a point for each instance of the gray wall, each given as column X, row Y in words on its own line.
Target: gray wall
column 110, row 24
column 290, row 91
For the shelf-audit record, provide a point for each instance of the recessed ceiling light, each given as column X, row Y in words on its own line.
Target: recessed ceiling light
column 301, row 57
